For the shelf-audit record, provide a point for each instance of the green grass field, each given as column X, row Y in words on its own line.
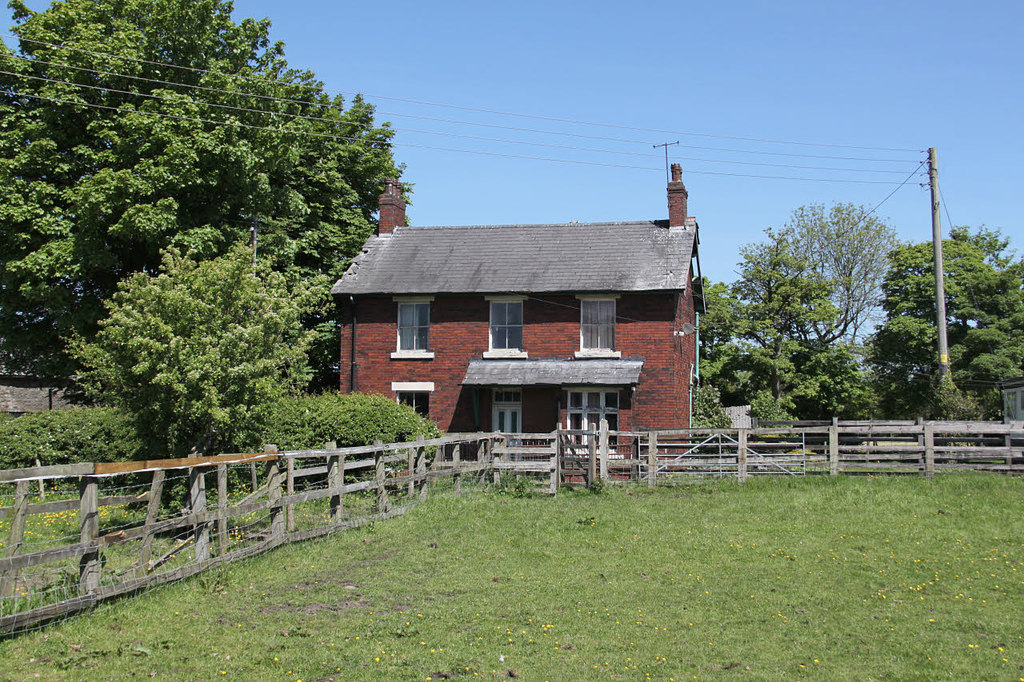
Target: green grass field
column 855, row 577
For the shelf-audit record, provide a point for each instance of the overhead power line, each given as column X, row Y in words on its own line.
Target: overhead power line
column 332, row 121
column 322, row 119
column 272, row 98
column 476, row 109
column 346, row 138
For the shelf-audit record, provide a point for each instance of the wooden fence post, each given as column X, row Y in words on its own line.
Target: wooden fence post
column 156, row 490
column 15, row 536
column 274, row 497
column 89, row 520
column 252, row 475
column 652, row 458
column 604, row 449
column 591, row 460
column 380, row 477
column 411, row 453
column 496, row 473
column 741, row 456
column 929, row 450
column 457, row 473
column 42, row 487
column 556, row 464
column 421, row 464
column 336, row 482
column 197, row 507
column 222, row 508
column 833, row 450
column 289, row 485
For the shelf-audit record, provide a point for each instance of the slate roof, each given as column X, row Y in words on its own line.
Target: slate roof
column 578, row 257
column 553, row 372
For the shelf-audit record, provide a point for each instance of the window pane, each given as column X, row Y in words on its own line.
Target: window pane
column 593, row 400
column 575, row 399
column 611, row 399
column 515, row 313
column 499, row 337
column 406, row 315
column 422, row 338
column 613, row 421
column 514, row 338
column 405, row 338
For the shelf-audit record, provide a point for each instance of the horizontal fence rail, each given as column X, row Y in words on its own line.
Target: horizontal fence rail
column 74, row 535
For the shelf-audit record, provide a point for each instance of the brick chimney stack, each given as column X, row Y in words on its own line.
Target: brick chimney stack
column 676, row 198
column 392, row 207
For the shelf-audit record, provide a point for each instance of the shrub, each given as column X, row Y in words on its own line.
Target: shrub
column 349, row 420
column 85, row 434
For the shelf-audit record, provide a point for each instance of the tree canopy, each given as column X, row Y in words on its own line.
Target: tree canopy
column 985, row 315
column 199, row 354
column 131, row 126
column 783, row 336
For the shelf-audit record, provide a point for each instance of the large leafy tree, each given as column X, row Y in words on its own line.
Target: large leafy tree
column 198, row 354
column 784, row 335
column 131, row 126
column 985, row 315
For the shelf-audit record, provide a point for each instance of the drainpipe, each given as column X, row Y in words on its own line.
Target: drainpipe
column 352, row 348
column 695, row 367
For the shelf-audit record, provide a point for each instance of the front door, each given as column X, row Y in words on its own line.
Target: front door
column 507, row 416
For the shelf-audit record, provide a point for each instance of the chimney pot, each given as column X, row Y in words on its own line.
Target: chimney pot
column 677, row 196
column 392, row 207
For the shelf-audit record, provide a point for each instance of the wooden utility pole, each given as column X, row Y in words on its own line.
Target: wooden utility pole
column 940, row 287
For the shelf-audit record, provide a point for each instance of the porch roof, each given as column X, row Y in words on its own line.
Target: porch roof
column 553, row 372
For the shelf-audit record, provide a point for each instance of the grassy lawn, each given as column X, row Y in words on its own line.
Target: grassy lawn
column 868, row 578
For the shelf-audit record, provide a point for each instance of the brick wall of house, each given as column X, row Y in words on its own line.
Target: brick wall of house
column 459, row 327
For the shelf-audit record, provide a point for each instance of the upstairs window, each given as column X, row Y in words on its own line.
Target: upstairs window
column 506, row 325
column 414, row 326
column 597, row 324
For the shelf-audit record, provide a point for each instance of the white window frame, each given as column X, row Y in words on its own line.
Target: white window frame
column 585, row 352
column 506, row 353
column 410, row 387
column 583, row 409
column 411, row 353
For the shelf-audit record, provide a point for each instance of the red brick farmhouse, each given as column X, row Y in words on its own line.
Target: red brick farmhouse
column 518, row 328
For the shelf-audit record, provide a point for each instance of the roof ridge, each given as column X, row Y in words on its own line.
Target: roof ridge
column 573, row 223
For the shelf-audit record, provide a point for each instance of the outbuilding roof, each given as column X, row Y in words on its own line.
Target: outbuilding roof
column 598, row 257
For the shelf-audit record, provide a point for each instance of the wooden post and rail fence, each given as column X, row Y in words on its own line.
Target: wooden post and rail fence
column 131, row 525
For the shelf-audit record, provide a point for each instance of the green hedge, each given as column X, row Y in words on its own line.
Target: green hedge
column 84, row 434
column 105, row 434
column 349, row 420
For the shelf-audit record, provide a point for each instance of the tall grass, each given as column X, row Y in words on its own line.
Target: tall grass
column 872, row 578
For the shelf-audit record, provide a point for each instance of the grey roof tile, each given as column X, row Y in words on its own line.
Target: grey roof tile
column 553, row 372
column 632, row 256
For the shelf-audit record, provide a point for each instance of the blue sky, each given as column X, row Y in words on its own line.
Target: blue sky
column 885, row 75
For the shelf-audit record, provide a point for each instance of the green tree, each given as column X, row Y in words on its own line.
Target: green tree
column 784, row 335
column 200, row 354
column 131, row 126
column 847, row 247
column 985, row 314
column 707, row 408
